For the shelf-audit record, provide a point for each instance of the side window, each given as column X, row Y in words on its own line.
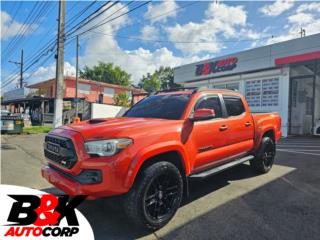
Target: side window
column 210, row 103
column 234, row 105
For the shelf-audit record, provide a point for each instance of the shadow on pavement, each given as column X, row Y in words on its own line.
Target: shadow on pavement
column 109, row 221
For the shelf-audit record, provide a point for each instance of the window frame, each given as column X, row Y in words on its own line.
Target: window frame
column 84, row 91
column 204, row 97
column 108, row 94
column 225, row 106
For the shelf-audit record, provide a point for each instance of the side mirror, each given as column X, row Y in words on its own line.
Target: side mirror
column 203, row 114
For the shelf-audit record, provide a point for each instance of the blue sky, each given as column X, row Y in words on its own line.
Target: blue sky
column 161, row 33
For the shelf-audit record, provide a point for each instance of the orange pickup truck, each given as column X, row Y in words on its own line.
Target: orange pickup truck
column 160, row 143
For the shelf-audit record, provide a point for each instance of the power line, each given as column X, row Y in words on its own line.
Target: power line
column 21, row 29
column 46, row 48
column 92, row 16
column 178, row 42
column 14, row 14
column 51, row 45
column 112, row 19
column 160, row 15
column 30, row 27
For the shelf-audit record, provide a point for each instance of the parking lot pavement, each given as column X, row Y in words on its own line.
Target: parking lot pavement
column 300, row 145
column 235, row 204
column 21, row 160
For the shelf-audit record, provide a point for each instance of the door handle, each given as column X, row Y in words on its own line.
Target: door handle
column 247, row 124
column 223, row 128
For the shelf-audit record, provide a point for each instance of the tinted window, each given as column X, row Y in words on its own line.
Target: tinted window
column 160, row 106
column 234, row 105
column 210, row 103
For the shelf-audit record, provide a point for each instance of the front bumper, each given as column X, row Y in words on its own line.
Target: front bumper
column 71, row 185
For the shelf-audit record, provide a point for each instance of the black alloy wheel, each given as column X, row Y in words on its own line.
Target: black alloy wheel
column 155, row 196
column 162, row 197
column 265, row 155
column 269, row 154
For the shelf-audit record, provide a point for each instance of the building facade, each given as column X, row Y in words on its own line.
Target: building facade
column 91, row 91
column 282, row 77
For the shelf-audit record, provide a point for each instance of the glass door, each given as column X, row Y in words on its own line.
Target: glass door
column 301, row 105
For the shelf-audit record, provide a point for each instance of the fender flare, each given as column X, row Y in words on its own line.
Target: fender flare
column 152, row 151
column 262, row 131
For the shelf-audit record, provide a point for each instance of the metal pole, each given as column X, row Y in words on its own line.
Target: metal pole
column 21, row 69
column 58, row 106
column 77, row 72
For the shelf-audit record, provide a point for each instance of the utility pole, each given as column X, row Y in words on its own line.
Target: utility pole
column 21, row 68
column 77, row 72
column 302, row 32
column 58, row 106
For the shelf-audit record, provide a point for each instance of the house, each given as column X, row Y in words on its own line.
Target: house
column 91, row 91
column 40, row 104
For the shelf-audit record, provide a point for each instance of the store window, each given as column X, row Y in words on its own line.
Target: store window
column 302, row 69
column 262, row 93
column 109, row 92
column 230, row 86
column 84, row 88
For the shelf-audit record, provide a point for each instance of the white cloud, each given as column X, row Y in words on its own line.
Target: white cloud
column 277, row 8
column 136, row 62
column 301, row 18
column 150, row 32
column 220, row 19
column 155, row 10
column 10, row 28
column 306, row 17
column 315, row 6
column 48, row 72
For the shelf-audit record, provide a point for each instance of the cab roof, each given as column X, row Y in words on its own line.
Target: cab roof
column 193, row 90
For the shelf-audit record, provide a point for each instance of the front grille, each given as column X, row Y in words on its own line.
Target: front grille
column 59, row 141
column 63, row 154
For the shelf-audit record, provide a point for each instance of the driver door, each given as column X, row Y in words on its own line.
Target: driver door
column 208, row 136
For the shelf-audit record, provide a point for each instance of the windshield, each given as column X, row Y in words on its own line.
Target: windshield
column 160, row 106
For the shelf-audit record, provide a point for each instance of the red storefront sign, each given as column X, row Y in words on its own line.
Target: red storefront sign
column 222, row 65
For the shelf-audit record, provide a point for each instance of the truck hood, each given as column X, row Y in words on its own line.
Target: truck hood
column 103, row 128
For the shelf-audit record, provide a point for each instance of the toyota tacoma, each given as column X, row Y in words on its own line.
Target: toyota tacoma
column 150, row 153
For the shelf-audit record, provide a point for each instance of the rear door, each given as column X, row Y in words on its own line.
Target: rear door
column 240, row 127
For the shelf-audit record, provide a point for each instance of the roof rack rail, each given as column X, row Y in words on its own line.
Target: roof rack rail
column 177, row 89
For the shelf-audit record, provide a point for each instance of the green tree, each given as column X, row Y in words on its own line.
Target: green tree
column 150, row 83
column 122, row 99
column 161, row 79
column 108, row 73
column 165, row 75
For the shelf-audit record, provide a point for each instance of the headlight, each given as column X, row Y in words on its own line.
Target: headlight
column 107, row 147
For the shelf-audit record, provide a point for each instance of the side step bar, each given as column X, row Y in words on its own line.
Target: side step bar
column 220, row 168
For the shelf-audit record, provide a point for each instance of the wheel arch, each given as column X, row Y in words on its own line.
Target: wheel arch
column 173, row 154
column 269, row 133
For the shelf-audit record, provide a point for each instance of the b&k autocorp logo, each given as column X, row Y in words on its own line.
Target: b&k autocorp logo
column 41, row 215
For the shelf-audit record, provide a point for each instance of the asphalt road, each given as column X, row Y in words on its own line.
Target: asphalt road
column 235, row 204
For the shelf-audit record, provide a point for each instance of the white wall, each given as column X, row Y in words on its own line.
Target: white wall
column 106, row 111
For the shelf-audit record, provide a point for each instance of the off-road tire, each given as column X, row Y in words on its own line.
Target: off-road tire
column 135, row 206
column 264, row 157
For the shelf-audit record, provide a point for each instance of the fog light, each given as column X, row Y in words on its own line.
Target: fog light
column 89, row 177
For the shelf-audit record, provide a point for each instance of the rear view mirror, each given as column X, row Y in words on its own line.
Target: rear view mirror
column 203, row 114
